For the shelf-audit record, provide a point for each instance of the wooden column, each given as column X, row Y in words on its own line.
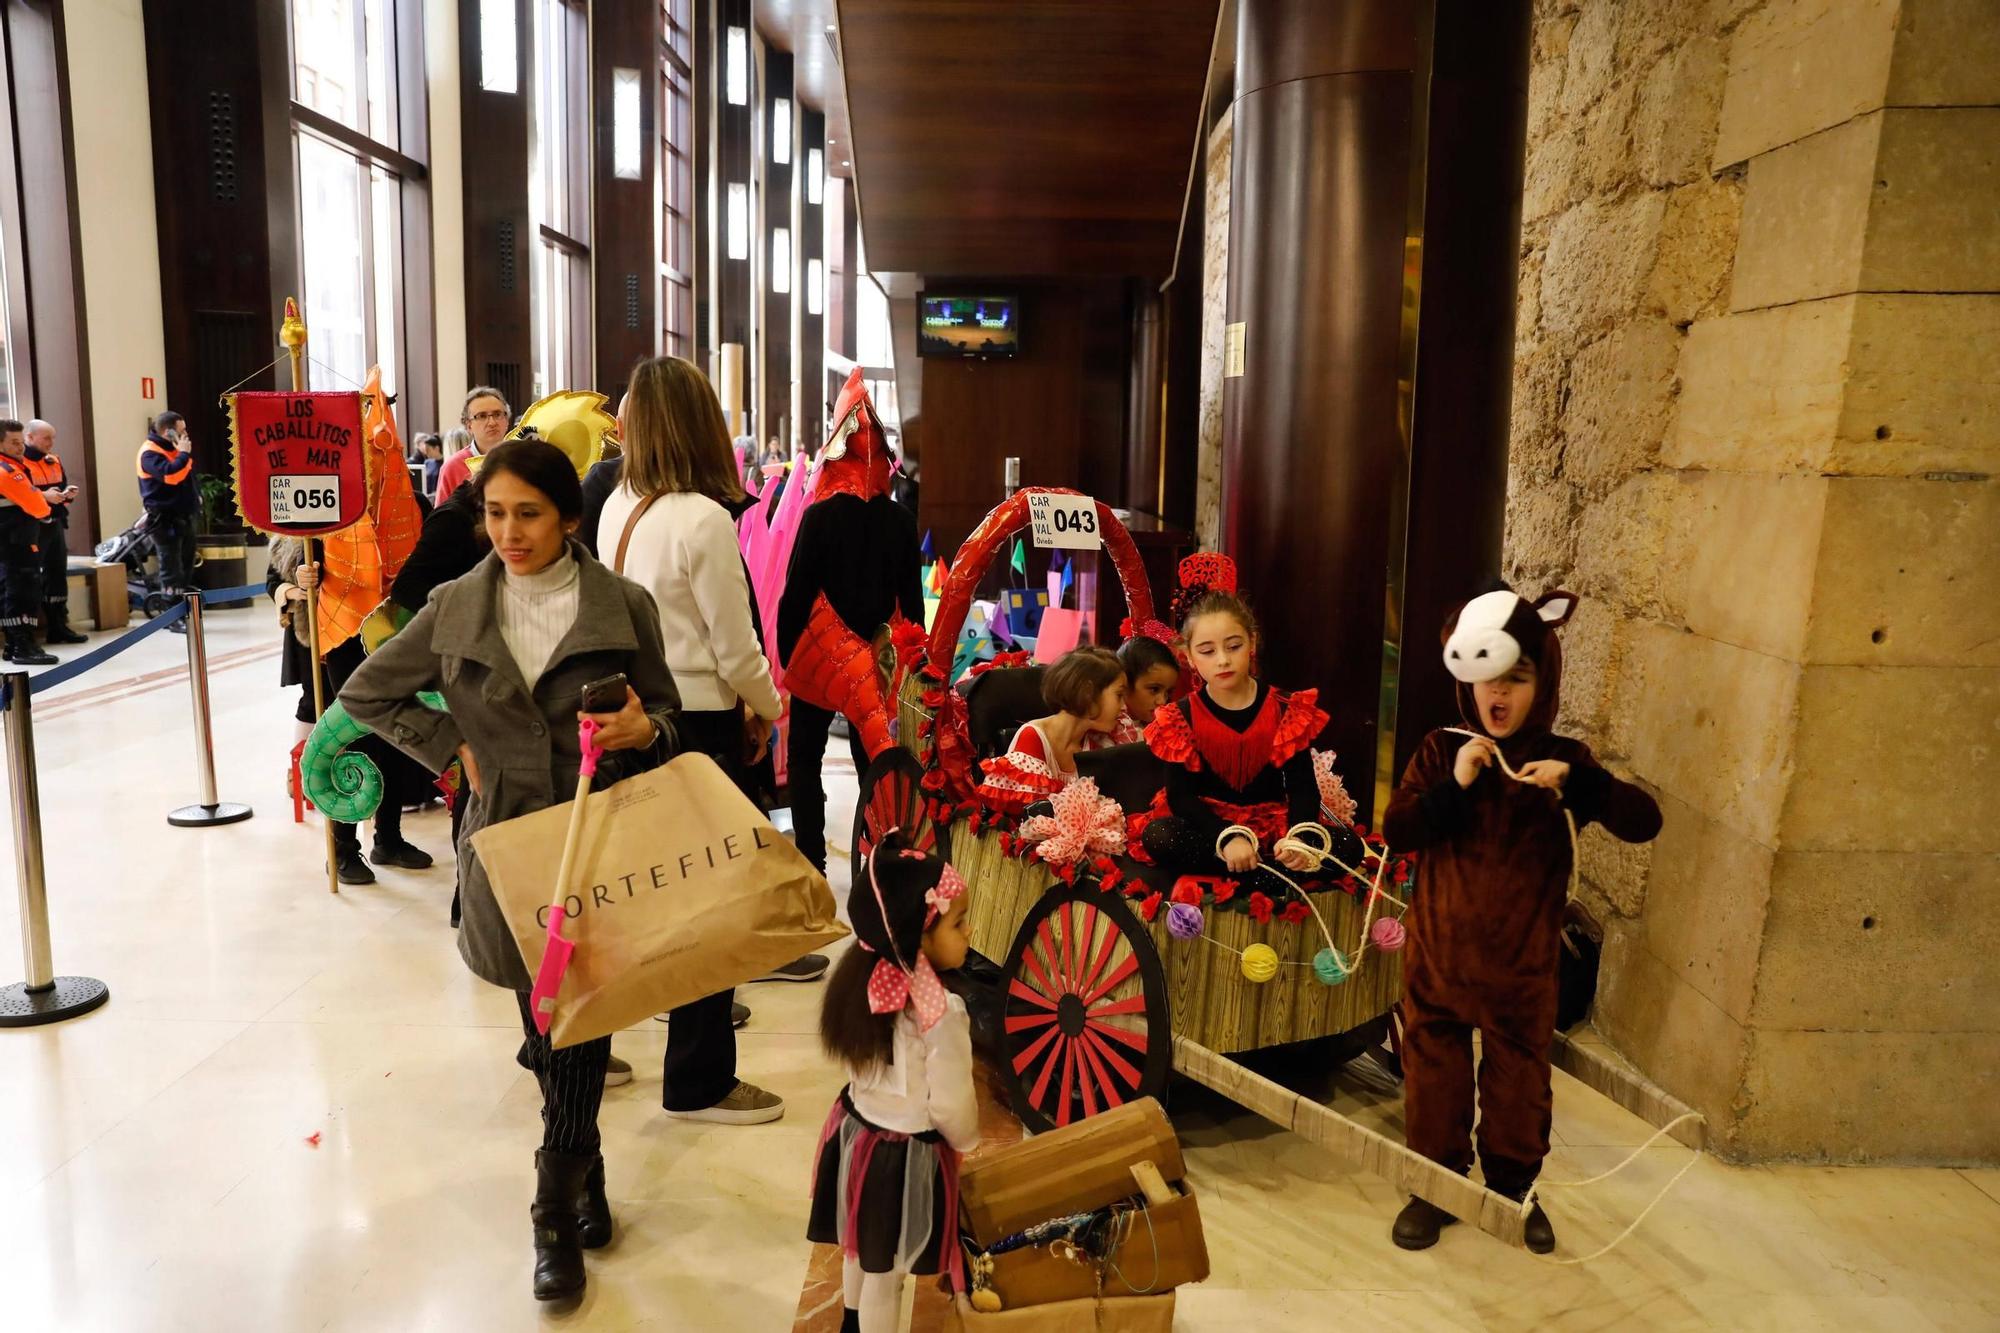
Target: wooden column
column 1476, row 141
column 625, row 211
column 1310, row 439
column 780, row 267
column 810, row 397
column 732, row 166
column 499, row 328
column 224, row 194
column 51, row 353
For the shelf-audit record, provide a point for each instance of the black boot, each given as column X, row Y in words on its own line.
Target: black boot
column 850, row 1321
column 1418, row 1225
column 21, row 649
column 59, row 630
column 559, row 1180
column 593, row 1210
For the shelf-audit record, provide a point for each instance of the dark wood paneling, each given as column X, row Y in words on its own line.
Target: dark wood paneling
column 1138, row 486
column 222, row 191
column 1034, row 137
column 1472, row 234
column 1058, row 408
column 499, row 278
column 1180, row 461
column 811, row 240
column 774, row 376
column 625, row 215
column 1310, row 445
column 38, row 91
column 733, row 164
column 804, row 28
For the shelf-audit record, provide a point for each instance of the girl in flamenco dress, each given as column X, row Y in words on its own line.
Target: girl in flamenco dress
column 1238, row 750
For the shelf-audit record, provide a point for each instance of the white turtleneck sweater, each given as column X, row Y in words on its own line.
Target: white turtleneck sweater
column 536, row 611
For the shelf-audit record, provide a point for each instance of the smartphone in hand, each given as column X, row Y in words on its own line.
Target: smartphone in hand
column 606, row 695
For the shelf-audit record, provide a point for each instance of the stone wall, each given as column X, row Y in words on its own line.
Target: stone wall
column 1214, row 313
column 1756, row 418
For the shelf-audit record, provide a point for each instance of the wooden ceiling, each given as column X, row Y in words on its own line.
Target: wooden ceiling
column 1030, row 137
column 805, row 29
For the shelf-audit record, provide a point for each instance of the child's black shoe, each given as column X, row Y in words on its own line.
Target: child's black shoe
column 1418, row 1225
column 1539, row 1235
column 850, row 1321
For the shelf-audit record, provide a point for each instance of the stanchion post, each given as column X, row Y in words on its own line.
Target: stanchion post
column 211, row 811
column 44, row 997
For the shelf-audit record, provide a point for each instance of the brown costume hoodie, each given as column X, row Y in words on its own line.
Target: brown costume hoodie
column 1494, row 868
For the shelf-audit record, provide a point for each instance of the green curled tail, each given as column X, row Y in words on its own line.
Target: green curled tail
column 343, row 785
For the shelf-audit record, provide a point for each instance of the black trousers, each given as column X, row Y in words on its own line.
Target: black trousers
column 174, row 534
column 700, row 1065
column 805, row 752
column 572, row 1081
column 20, row 570
column 55, row 574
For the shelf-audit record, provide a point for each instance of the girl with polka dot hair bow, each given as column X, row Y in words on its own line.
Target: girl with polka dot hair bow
column 885, row 1178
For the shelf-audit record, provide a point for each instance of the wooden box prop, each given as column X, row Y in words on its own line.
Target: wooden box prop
column 1132, row 1314
column 1160, row 1249
column 301, row 468
column 1081, row 1167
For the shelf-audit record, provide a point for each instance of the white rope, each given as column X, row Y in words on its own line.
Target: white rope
column 1575, row 859
column 1528, row 1200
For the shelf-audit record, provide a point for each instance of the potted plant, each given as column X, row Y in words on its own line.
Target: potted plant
column 219, row 547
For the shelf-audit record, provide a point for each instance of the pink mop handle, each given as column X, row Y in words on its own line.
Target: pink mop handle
column 556, row 954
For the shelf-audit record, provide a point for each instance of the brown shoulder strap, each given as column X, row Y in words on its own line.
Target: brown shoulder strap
column 625, row 538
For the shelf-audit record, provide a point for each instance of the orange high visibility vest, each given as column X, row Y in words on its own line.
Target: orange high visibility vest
column 173, row 478
column 18, row 489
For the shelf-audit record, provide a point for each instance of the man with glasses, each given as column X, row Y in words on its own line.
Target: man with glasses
column 488, row 417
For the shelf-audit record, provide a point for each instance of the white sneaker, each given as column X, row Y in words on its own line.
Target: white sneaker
column 617, row 1074
column 746, row 1104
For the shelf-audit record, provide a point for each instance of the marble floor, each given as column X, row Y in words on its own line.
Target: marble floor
column 298, row 1111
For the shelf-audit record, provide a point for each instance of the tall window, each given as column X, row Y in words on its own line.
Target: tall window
column 677, row 179
column 559, row 189
column 347, row 136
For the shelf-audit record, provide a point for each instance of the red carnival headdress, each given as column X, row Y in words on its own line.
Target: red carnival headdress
column 856, row 458
column 1200, row 573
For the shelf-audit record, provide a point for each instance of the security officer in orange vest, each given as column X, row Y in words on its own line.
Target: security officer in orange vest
column 22, row 509
column 167, row 489
column 53, row 481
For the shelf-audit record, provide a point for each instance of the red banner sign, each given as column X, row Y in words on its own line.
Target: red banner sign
column 301, row 469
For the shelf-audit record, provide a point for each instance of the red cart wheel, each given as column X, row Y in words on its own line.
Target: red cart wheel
column 892, row 797
column 1087, row 1024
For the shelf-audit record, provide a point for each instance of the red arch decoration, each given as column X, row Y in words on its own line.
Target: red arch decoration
column 1005, row 520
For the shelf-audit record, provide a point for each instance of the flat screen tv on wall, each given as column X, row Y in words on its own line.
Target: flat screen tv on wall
column 968, row 326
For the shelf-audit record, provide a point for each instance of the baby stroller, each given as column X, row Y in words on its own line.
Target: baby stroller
column 138, row 550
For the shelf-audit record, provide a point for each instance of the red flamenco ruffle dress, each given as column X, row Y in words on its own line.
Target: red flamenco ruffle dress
column 1249, row 766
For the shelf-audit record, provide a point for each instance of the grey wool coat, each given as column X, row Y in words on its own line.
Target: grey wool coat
column 524, row 742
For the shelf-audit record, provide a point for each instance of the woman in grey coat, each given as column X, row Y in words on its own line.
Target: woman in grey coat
column 511, row 646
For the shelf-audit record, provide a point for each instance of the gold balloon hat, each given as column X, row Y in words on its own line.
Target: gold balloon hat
column 573, row 420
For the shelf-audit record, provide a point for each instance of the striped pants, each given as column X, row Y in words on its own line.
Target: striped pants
column 572, row 1080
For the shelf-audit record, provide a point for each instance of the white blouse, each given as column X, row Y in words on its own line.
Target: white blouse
column 928, row 1085
column 535, row 612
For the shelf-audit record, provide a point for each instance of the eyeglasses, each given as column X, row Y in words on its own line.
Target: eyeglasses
column 488, row 416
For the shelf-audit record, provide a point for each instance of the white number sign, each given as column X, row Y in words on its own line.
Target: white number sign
column 305, row 500
column 1068, row 521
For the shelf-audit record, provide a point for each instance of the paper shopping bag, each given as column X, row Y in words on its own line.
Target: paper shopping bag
column 681, row 889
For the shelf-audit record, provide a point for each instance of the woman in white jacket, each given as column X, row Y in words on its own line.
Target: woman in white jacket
column 665, row 528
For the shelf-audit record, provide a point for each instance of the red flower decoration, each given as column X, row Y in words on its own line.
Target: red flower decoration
column 1260, row 907
column 1295, row 912
column 1224, row 890
column 1150, row 908
column 1188, row 890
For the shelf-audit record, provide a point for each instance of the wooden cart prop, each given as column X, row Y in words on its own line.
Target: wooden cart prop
column 1100, row 1005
